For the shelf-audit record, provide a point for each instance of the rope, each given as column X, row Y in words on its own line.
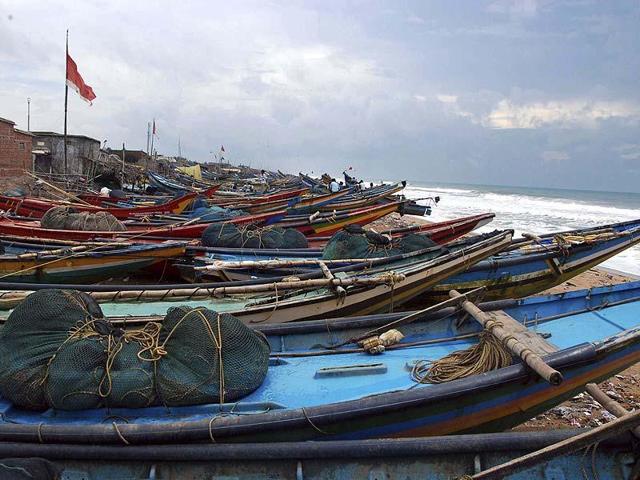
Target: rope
column 148, row 337
column 488, row 354
column 119, row 433
column 315, row 427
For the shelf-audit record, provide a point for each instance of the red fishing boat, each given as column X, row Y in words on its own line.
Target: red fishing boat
column 36, row 208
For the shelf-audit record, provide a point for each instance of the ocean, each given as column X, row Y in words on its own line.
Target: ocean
column 535, row 210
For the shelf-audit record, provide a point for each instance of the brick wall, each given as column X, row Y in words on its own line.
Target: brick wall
column 15, row 149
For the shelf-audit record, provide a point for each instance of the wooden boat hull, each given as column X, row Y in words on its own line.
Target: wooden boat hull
column 515, row 278
column 293, row 203
column 321, row 226
column 419, row 278
column 440, row 233
column 408, row 459
column 35, row 208
column 88, row 267
column 607, row 342
column 420, row 272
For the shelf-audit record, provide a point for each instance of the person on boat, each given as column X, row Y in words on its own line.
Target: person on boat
column 334, row 186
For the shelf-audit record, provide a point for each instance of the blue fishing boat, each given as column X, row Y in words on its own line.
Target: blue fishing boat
column 435, row 458
column 321, row 385
column 532, row 265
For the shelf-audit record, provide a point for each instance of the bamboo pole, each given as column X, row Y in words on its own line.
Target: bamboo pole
column 11, row 299
column 275, row 263
column 407, row 319
column 30, row 255
column 340, row 291
column 532, row 359
column 63, row 192
column 591, row 437
column 609, row 404
column 553, row 262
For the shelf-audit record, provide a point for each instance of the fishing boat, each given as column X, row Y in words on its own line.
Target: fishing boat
column 92, row 263
column 435, row 458
column 324, row 224
column 36, row 208
column 322, row 385
column 224, row 261
column 371, row 286
column 534, row 264
column 135, row 200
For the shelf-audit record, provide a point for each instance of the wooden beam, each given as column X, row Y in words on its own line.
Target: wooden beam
column 510, row 338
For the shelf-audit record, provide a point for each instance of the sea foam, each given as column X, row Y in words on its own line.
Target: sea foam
column 535, row 211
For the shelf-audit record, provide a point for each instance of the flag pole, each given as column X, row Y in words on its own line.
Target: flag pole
column 66, row 97
column 153, row 134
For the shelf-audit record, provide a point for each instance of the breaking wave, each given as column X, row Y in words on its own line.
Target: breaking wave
column 536, row 210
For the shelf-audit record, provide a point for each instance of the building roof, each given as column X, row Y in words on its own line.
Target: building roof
column 55, row 134
column 24, row 132
column 11, row 122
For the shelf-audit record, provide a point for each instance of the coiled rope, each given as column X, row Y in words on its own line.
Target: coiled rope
column 488, row 354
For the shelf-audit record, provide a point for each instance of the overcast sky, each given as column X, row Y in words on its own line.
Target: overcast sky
column 536, row 93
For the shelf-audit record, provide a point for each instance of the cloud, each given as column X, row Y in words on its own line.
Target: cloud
column 554, row 156
column 514, row 8
column 447, row 98
column 317, row 85
column 629, row 151
column 568, row 113
column 415, row 19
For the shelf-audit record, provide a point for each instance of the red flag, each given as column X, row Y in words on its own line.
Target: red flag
column 154, row 127
column 75, row 81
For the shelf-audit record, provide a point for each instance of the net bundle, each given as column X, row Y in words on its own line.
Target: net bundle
column 230, row 235
column 58, row 351
column 66, row 218
column 355, row 242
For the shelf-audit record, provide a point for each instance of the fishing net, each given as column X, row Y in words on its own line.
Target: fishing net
column 29, row 469
column 57, row 350
column 214, row 213
column 211, row 357
column 32, row 335
column 356, row 242
column 66, row 218
column 230, row 235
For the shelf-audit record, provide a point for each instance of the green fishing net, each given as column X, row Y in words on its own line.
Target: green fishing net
column 57, row 351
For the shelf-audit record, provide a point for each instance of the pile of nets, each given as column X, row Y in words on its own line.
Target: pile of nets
column 214, row 213
column 58, row 351
column 66, row 218
column 354, row 241
column 230, row 235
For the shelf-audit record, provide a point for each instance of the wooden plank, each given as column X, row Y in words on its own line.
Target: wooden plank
column 503, row 331
column 529, row 338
